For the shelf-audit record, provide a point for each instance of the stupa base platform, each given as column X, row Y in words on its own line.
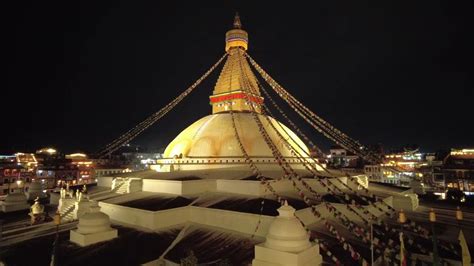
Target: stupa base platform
column 89, row 239
column 269, row 257
column 5, row 207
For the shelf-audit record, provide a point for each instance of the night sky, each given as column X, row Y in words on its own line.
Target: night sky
column 80, row 74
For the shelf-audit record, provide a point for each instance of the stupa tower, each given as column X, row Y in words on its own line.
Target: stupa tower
column 211, row 142
column 236, row 75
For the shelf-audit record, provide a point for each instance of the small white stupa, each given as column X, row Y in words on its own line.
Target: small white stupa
column 93, row 227
column 35, row 189
column 15, row 201
column 287, row 243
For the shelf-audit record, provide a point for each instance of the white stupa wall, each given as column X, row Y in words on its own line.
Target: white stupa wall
column 80, row 208
column 179, row 187
column 104, row 181
column 15, row 201
column 236, row 221
column 244, row 187
column 408, row 202
column 86, row 240
column 287, row 243
column 135, row 185
column 93, row 227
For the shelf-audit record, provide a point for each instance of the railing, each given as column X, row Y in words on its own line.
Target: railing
column 226, row 160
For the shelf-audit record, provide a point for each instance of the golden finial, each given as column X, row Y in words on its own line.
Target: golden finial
column 237, row 23
column 402, row 217
column 432, row 215
column 459, row 215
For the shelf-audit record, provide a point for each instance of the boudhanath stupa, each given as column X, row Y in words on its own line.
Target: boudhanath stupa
column 241, row 187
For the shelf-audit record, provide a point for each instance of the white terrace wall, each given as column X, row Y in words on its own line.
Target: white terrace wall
column 198, row 186
column 129, row 215
column 375, row 211
column 246, row 187
column 286, row 185
column 362, row 180
column 229, row 220
column 163, row 186
column 179, row 187
column 104, row 181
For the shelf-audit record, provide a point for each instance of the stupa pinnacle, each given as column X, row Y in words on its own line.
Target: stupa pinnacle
column 229, row 90
column 211, row 142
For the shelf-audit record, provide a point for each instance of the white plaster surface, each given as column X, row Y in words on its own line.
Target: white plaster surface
column 89, row 239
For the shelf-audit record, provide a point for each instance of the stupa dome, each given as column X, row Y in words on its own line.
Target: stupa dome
column 93, row 221
column 286, row 233
column 214, row 136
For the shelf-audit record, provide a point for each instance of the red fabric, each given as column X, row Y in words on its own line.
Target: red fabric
column 241, row 95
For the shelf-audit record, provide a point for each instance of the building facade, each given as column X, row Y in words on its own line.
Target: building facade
column 458, row 170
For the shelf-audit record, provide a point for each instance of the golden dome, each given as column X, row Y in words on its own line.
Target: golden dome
column 213, row 136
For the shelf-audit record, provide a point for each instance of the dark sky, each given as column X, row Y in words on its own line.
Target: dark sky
column 79, row 74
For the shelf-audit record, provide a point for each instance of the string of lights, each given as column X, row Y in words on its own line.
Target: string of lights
column 134, row 132
column 289, row 172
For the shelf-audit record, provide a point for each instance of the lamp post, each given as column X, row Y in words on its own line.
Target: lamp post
column 1, row 229
column 402, row 220
column 465, row 254
column 432, row 217
column 459, row 216
column 57, row 222
column 371, row 241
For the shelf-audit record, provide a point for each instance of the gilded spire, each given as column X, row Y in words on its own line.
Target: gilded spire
column 236, row 88
column 236, row 37
column 237, row 23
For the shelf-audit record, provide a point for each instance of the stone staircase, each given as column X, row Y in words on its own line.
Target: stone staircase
column 119, row 185
column 67, row 212
column 125, row 185
column 122, row 188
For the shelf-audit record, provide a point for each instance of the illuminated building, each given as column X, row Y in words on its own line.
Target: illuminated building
column 341, row 158
column 48, row 151
column 432, row 172
column 398, row 168
column 27, row 160
column 84, row 165
column 15, row 168
column 58, row 172
column 458, row 169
